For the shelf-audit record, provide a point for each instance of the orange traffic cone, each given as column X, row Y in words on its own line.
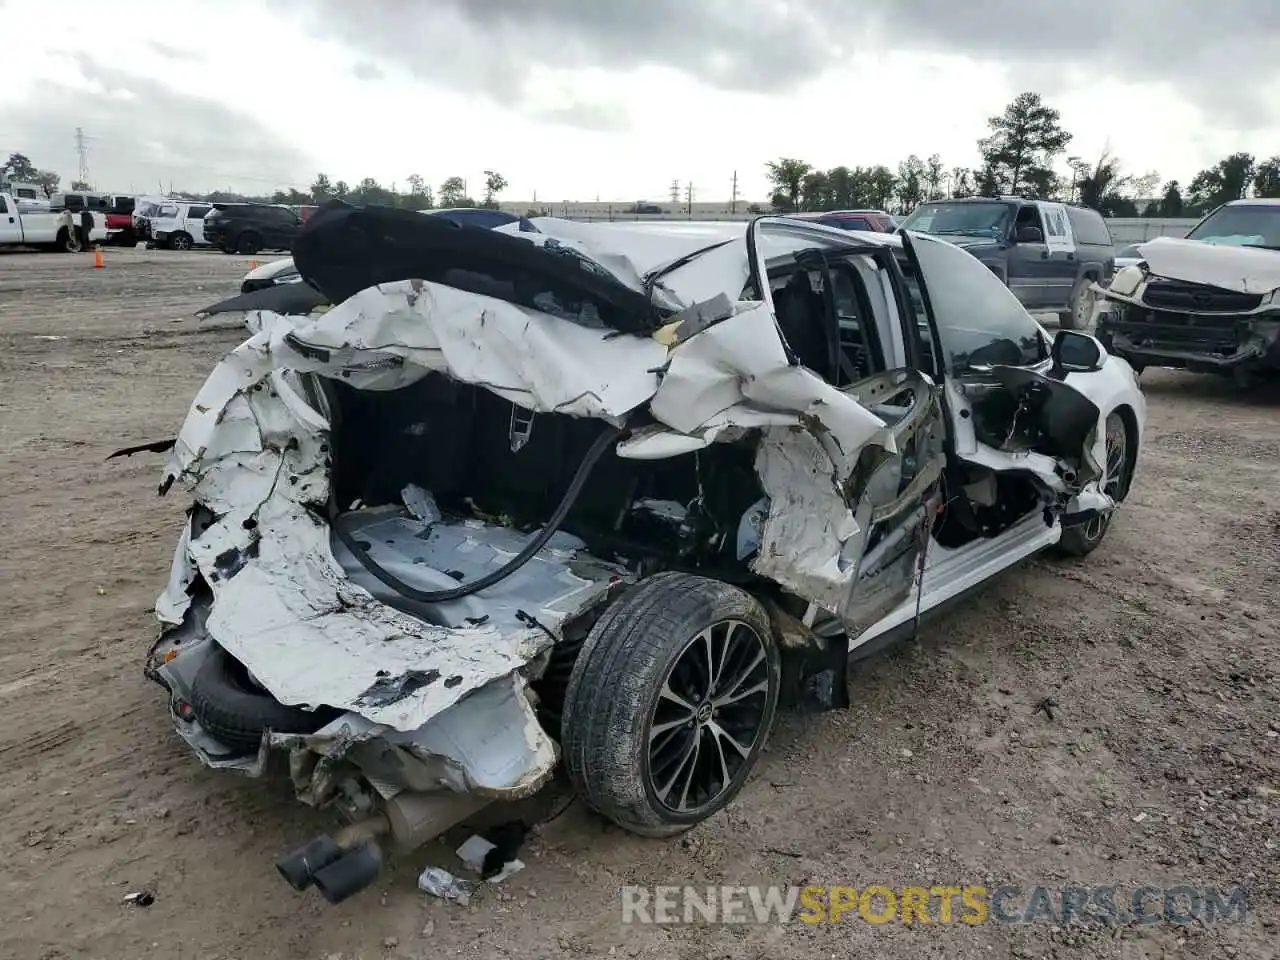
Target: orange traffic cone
column 97, row 258
column 253, row 264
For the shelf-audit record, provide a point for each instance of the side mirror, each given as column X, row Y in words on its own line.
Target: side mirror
column 1029, row 235
column 1075, row 352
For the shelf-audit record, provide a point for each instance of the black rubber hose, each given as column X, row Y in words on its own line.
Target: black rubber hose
column 511, row 566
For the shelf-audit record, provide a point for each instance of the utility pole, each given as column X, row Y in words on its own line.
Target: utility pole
column 675, row 191
column 688, row 198
column 82, row 152
column 733, row 201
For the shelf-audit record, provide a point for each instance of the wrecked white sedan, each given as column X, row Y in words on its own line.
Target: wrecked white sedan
column 609, row 494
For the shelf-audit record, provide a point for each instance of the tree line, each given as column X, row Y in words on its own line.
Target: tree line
column 1018, row 157
column 419, row 195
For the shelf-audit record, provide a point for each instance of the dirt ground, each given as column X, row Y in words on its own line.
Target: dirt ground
column 1160, row 765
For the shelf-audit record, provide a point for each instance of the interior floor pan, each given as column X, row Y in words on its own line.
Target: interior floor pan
column 560, row 580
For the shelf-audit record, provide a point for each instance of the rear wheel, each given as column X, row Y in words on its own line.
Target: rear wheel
column 69, row 241
column 180, row 241
column 670, row 703
column 248, row 243
column 1084, row 538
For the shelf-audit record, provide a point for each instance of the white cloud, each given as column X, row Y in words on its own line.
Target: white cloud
column 570, row 109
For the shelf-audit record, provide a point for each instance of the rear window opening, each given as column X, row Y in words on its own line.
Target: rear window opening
column 482, row 457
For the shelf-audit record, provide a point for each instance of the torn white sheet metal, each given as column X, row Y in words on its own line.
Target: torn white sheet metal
column 489, row 744
column 811, row 541
column 735, row 376
column 1090, row 497
column 173, row 602
column 737, row 372
column 252, row 452
column 535, row 360
column 1230, row 267
column 255, row 455
column 312, row 637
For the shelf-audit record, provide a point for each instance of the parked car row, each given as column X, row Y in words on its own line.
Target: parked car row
column 31, row 223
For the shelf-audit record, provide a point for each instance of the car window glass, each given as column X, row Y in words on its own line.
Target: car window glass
column 74, row 203
column 1088, row 226
column 168, row 210
column 1029, row 217
column 197, row 212
column 1054, row 224
column 979, row 320
column 4, row 207
column 969, row 218
column 1256, row 224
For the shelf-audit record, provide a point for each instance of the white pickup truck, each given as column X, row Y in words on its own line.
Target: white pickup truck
column 61, row 231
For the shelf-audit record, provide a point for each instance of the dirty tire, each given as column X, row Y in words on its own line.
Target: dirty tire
column 180, row 241
column 231, row 709
column 1081, row 302
column 248, row 243
column 615, row 693
column 1082, row 539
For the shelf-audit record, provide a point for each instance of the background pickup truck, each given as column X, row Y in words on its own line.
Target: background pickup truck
column 1048, row 254
column 60, row 230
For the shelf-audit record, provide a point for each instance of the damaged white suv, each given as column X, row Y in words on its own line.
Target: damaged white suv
column 607, row 493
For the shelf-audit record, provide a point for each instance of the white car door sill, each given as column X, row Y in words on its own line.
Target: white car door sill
column 949, row 573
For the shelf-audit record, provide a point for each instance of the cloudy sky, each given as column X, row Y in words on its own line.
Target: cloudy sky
column 574, row 99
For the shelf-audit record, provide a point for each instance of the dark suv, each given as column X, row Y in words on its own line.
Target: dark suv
column 250, row 227
column 1048, row 254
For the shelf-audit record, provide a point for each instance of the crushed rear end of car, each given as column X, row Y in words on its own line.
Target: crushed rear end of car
column 411, row 511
